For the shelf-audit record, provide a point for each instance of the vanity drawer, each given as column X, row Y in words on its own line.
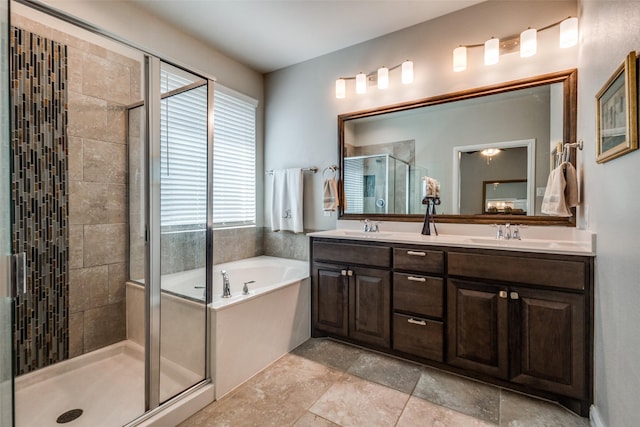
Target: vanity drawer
column 420, row 260
column 418, row 294
column 420, row 337
column 536, row 271
column 376, row 256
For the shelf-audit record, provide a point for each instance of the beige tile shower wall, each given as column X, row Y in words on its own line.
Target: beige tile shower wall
column 101, row 84
column 185, row 250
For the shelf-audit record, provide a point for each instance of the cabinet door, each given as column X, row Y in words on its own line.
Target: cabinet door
column 370, row 306
column 548, row 340
column 330, row 299
column 477, row 327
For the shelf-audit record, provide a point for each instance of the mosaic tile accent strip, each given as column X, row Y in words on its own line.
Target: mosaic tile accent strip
column 40, row 194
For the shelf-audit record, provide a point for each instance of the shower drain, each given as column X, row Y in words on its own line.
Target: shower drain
column 69, row 416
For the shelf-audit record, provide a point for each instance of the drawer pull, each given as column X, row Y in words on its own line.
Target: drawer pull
column 416, row 279
column 417, row 322
column 414, row 253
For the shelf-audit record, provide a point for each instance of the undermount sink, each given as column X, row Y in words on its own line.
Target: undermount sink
column 533, row 244
column 367, row 234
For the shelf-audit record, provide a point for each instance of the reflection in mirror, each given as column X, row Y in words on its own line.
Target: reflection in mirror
column 377, row 183
column 439, row 137
column 505, row 197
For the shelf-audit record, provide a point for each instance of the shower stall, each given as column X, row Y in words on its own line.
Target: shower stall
column 377, row 183
column 87, row 165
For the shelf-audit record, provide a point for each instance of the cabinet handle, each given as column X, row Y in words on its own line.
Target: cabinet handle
column 343, row 273
column 417, row 322
column 502, row 294
column 349, row 273
column 416, row 253
column 416, row 279
column 514, row 295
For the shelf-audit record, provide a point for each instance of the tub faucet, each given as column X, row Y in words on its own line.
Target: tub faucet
column 226, row 291
column 245, row 288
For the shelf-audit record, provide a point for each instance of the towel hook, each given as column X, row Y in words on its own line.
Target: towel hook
column 332, row 169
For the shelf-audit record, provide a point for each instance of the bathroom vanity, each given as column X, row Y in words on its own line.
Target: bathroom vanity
column 515, row 314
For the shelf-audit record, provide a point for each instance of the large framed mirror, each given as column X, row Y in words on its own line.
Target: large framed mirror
column 493, row 134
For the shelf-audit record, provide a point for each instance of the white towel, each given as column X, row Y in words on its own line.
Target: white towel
column 330, row 195
column 561, row 192
column 286, row 200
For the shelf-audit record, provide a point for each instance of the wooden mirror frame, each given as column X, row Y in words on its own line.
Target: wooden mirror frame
column 569, row 80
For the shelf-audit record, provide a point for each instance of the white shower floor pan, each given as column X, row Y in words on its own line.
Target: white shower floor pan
column 106, row 384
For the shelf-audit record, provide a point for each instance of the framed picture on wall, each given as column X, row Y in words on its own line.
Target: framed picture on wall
column 616, row 110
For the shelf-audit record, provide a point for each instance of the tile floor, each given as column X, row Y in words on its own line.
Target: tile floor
column 327, row 383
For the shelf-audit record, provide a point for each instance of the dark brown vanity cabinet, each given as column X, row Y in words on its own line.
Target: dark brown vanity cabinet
column 517, row 332
column 418, row 302
column 351, row 300
column 517, row 319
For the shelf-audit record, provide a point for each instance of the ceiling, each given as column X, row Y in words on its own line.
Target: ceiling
column 268, row 35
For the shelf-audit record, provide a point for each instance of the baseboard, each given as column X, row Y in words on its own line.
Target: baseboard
column 595, row 418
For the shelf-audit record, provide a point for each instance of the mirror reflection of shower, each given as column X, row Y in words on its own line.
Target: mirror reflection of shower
column 376, row 184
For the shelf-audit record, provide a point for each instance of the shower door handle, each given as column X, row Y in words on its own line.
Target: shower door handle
column 19, row 274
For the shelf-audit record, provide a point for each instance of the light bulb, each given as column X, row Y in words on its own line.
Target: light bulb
column 383, row 78
column 341, row 88
column 361, row 83
column 528, row 42
column 459, row 59
column 491, row 51
column 569, row 32
column 407, row 72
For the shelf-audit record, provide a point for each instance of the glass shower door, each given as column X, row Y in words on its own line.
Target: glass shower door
column 6, row 300
column 184, row 154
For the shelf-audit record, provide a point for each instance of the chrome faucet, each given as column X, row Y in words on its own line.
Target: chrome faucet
column 226, row 291
column 370, row 227
column 507, row 231
column 245, row 288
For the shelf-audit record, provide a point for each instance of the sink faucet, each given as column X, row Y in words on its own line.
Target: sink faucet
column 226, row 291
column 370, row 227
column 509, row 232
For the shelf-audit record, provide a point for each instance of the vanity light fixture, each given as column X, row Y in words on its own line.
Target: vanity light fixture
column 380, row 77
column 491, row 51
column 383, row 78
column 361, row 83
column 460, row 58
column 527, row 42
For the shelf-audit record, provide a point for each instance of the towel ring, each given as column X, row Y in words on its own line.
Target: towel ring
column 331, row 169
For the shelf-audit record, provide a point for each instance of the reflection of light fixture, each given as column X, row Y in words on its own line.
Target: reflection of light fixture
column 381, row 75
column 526, row 42
column 489, row 153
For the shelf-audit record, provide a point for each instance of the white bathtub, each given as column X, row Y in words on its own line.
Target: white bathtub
column 248, row 332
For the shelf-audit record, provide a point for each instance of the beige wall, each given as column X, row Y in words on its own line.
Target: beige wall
column 301, row 110
column 611, row 205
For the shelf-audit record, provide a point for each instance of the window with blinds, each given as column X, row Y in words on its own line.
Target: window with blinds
column 234, row 159
column 183, row 188
column 183, row 154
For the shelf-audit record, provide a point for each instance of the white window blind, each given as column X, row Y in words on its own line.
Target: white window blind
column 234, row 159
column 183, row 154
column 354, row 185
